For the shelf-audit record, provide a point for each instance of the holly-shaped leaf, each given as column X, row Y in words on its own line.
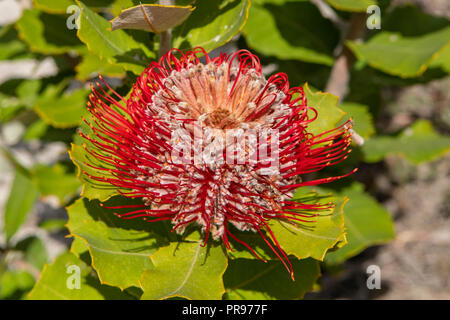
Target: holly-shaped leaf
column 62, row 111
column 362, row 118
column 90, row 189
column 254, row 280
column 69, row 278
column 47, row 33
column 418, row 143
column 91, row 66
column 212, row 24
column 366, row 223
column 328, row 113
column 291, row 30
column 186, row 269
column 120, row 249
column 442, row 59
column 61, row 6
column 386, row 51
column 117, row 47
column 314, row 238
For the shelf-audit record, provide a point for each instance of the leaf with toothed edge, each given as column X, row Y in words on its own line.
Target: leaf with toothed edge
column 328, row 112
column 47, row 33
column 56, row 181
column 212, row 24
column 302, row 240
column 120, row 249
column 359, row 233
column 291, row 30
column 63, row 111
column 315, row 237
column 55, row 282
column 401, row 56
column 253, row 280
column 91, row 189
column 186, row 269
column 418, row 143
column 117, row 47
column 91, row 66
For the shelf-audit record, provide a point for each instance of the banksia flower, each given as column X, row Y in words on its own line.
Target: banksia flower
column 212, row 144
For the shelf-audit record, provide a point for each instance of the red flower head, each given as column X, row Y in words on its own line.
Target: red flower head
column 213, row 144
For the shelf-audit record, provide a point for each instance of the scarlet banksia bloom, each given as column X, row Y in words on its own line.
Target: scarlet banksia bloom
column 214, row 144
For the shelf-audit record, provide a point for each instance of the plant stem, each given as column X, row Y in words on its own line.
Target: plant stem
column 340, row 74
column 165, row 40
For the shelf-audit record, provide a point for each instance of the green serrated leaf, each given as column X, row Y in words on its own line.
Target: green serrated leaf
column 90, row 189
column 46, row 33
column 21, row 199
column 254, row 280
column 362, row 118
column 58, row 281
column 186, row 269
column 309, row 239
column 212, row 24
column 442, row 59
column 60, row 6
column 53, row 6
column 291, row 30
column 366, row 222
column 352, row 5
column 63, row 111
column 419, row 143
column 312, row 239
column 120, row 249
column 79, row 247
column 254, row 241
column 92, row 66
column 328, row 113
column 401, row 56
column 56, row 181
column 117, row 47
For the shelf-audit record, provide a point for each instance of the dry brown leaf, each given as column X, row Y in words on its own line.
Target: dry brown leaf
column 151, row 17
